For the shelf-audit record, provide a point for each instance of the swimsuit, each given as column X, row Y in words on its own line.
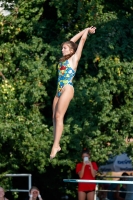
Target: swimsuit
column 65, row 76
column 88, row 191
column 87, row 175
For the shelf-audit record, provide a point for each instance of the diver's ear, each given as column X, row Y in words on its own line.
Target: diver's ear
column 72, row 51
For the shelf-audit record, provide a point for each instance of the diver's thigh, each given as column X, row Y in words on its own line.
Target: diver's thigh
column 55, row 101
column 64, row 100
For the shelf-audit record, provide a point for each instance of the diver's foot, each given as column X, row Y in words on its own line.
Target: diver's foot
column 54, row 152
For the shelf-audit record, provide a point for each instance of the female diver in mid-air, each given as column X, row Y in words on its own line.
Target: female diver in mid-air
column 66, row 71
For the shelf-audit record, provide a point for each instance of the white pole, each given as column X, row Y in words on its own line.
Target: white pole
column 95, row 196
column 29, row 181
column 21, row 175
column 96, row 181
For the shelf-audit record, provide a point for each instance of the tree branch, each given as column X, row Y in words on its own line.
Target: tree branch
column 1, row 74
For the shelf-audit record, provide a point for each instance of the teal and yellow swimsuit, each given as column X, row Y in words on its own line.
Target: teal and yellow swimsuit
column 65, row 76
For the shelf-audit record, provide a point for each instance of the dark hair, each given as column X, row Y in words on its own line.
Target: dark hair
column 34, row 187
column 86, row 150
column 72, row 45
column 124, row 174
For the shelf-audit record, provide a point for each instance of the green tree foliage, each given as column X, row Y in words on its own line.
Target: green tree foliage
column 101, row 114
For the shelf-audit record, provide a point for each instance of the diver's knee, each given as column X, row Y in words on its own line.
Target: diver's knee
column 58, row 116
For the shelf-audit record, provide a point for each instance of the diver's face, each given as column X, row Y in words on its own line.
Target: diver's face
column 66, row 50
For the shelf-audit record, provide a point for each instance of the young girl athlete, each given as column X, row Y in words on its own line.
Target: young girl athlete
column 86, row 170
column 65, row 91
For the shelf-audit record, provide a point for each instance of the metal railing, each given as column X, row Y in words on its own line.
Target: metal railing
column 21, row 175
column 96, row 181
column 103, row 182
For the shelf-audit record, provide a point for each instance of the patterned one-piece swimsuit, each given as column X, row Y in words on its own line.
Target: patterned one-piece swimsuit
column 65, row 76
